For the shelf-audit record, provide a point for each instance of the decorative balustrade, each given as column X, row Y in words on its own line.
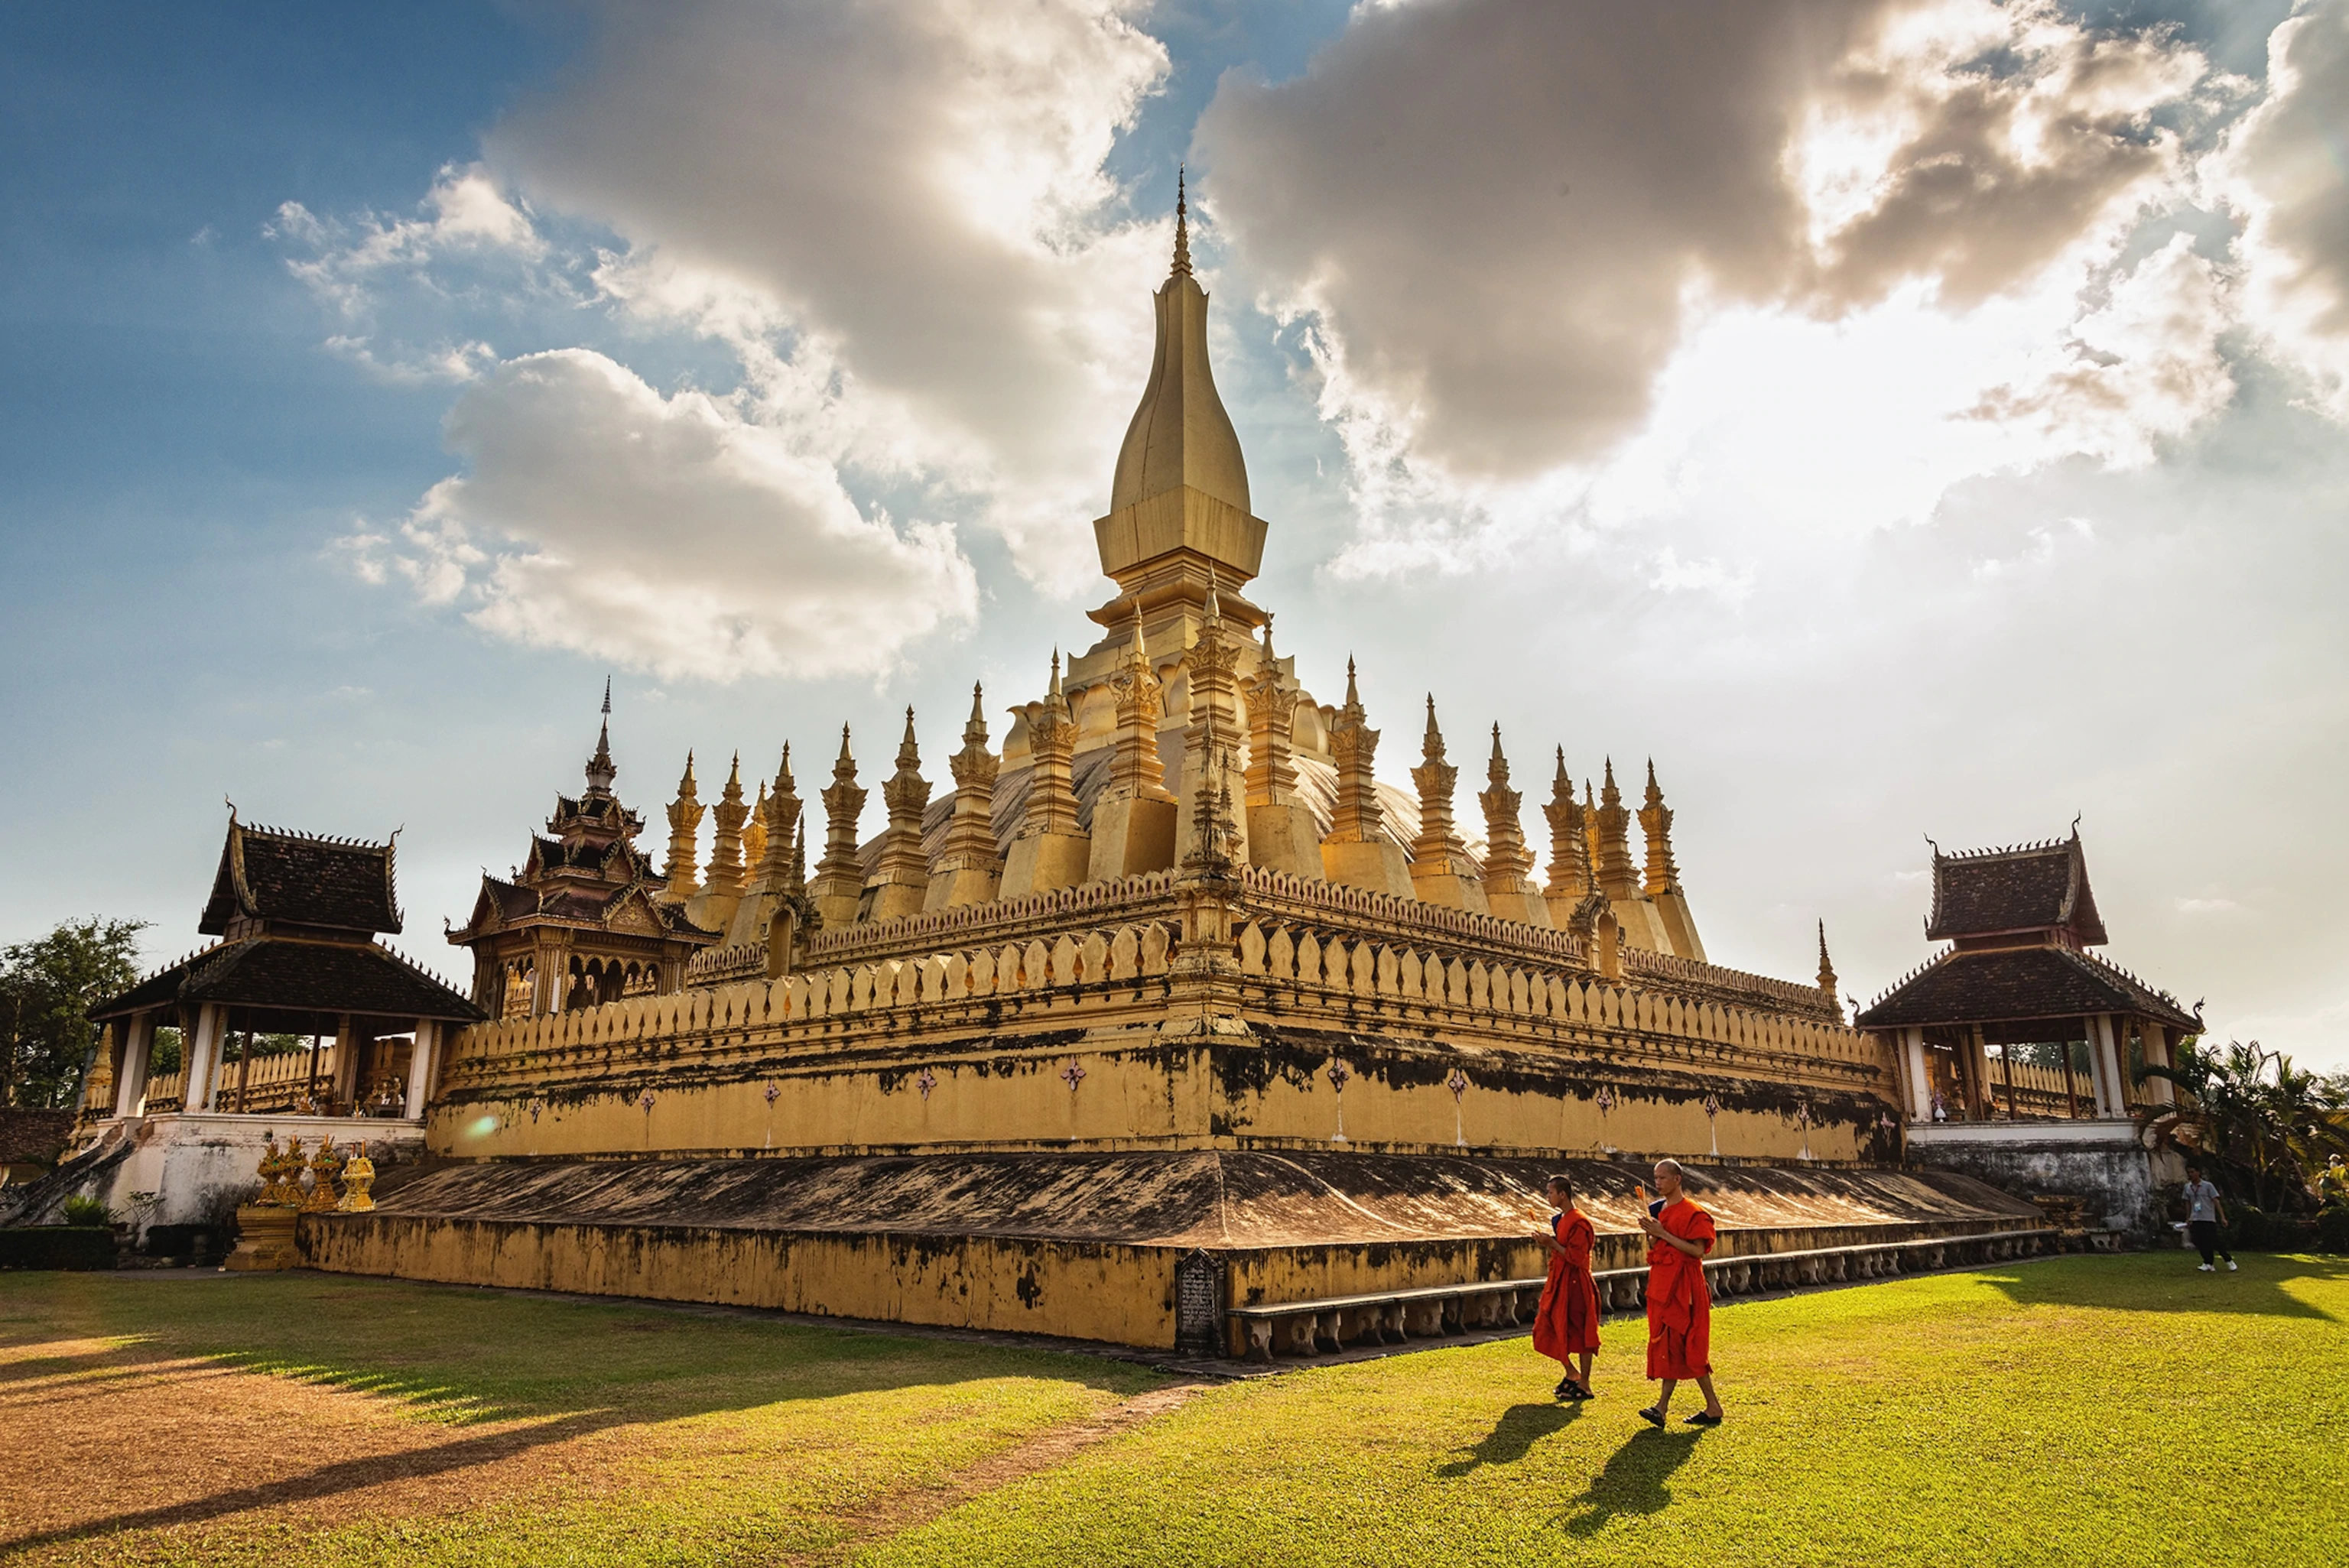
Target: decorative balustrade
column 1733, row 986
column 276, row 1085
column 1100, row 958
column 1355, row 967
column 1317, row 969
column 1378, row 913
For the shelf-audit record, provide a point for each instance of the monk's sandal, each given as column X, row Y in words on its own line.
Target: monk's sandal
column 1653, row 1416
column 1701, row 1419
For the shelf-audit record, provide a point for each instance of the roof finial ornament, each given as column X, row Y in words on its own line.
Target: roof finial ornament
column 607, row 696
column 1181, row 228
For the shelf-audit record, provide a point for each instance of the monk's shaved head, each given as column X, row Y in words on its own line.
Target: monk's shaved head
column 1673, row 1166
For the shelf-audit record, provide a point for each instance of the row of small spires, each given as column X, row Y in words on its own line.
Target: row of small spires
column 686, row 812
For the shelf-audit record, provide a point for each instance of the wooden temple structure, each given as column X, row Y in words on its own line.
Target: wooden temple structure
column 2016, row 1019
column 585, row 919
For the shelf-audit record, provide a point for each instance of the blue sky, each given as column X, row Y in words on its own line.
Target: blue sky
column 1635, row 378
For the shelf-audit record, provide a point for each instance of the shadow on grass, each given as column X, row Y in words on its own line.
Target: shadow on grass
column 463, row 1355
column 1632, row 1480
column 2169, row 1281
column 1518, row 1429
column 466, row 1354
column 329, row 1481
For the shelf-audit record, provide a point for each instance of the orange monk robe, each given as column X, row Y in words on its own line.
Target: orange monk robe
column 1680, row 1307
column 1567, row 1322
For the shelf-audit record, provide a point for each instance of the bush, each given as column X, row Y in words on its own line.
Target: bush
column 56, row 1247
column 2333, row 1228
column 87, row 1212
column 2257, row 1230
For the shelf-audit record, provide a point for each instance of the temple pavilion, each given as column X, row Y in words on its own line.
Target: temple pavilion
column 2016, row 1019
column 296, row 917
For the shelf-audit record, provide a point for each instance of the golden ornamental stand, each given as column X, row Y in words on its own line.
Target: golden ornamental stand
column 265, row 1240
column 358, row 1175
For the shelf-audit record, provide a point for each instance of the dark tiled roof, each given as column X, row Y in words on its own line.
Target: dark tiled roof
column 1988, row 892
column 268, row 874
column 1982, row 987
column 309, row 976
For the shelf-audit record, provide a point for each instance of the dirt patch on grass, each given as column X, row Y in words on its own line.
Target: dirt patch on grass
column 903, row 1510
column 107, row 1438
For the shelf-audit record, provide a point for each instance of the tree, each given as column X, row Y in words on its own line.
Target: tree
column 2250, row 1108
column 47, row 987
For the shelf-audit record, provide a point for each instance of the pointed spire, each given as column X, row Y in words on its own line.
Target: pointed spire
column 726, row 871
column 839, row 880
column 1508, row 862
column 600, row 771
column 1181, row 227
column 1619, row 879
column 1353, row 746
column 1827, row 974
column 1431, row 743
column 1054, row 691
column 685, row 814
column 1570, row 847
column 974, row 732
column 1656, row 821
column 773, row 865
column 900, row 879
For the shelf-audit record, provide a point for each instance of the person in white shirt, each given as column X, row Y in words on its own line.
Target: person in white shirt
column 2204, row 1213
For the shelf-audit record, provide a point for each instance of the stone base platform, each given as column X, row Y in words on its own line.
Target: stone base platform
column 1147, row 1249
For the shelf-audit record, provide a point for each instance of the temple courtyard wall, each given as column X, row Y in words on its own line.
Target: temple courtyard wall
column 1081, row 1245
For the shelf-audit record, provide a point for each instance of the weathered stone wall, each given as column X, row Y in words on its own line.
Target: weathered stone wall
column 1081, row 1245
column 2103, row 1162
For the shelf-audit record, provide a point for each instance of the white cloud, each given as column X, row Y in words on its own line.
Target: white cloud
column 668, row 532
column 466, row 214
column 1537, row 283
column 2206, row 906
column 2144, row 367
column 2286, row 170
column 907, row 197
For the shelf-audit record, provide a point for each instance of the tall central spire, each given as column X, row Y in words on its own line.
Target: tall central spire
column 1178, row 505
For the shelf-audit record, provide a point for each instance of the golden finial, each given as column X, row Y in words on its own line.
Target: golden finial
column 1182, row 229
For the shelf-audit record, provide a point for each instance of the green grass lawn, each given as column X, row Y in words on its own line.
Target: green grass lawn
column 2087, row 1409
column 2102, row 1410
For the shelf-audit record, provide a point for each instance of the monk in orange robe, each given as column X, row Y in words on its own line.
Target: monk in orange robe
column 1680, row 1307
column 1565, row 1325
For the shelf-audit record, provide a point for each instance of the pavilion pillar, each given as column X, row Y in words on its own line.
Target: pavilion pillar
column 422, row 1065
column 2161, row 1091
column 131, row 1078
column 346, row 1063
column 204, row 1057
column 1978, row 1065
column 1921, row 1081
column 2112, row 1096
